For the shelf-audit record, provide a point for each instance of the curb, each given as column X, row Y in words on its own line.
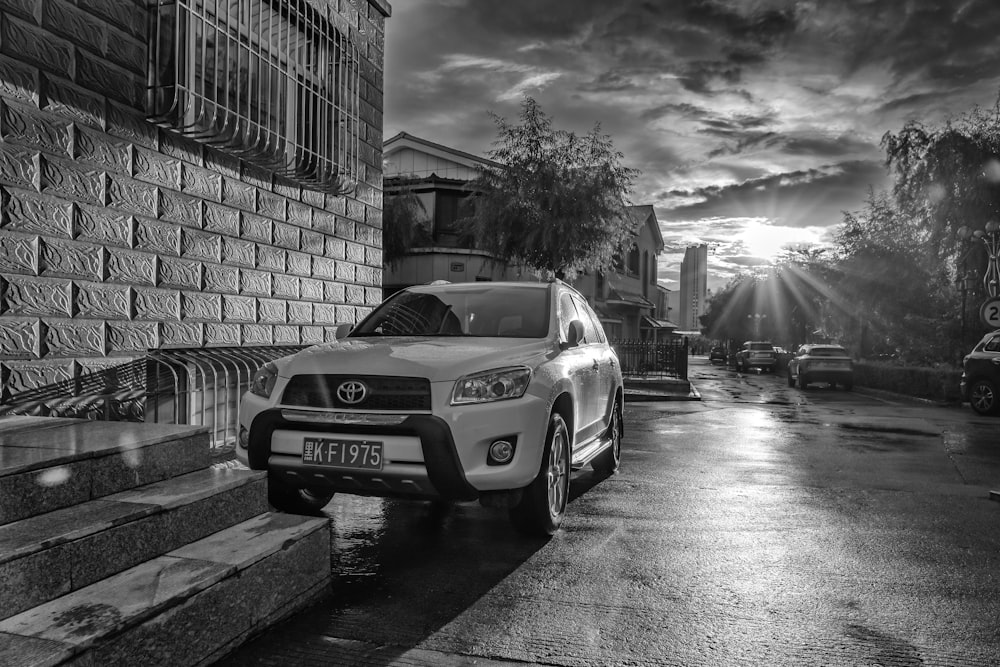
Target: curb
column 660, row 393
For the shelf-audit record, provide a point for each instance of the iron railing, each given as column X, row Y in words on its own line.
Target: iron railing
column 644, row 358
column 198, row 386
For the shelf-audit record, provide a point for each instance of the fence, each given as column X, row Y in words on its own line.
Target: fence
column 198, row 386
column 203, row 386
column 645, row 358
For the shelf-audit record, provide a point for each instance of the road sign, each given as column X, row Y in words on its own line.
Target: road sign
column 989, row 313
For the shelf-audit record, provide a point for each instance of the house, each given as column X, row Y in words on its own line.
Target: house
column 628, row 299
column 439, row 177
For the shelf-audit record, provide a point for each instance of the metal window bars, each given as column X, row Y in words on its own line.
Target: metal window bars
column 198, row 386
column 274, row 82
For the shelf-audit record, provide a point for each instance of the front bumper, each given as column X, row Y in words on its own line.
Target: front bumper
column 428, row 456
column 828, row 375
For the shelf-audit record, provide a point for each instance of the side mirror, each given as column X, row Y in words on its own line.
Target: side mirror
column 342, row 330
column 574, row 334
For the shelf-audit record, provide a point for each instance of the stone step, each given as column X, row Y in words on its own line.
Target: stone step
column 47, row 463
column 48, row 555
column 188, row 607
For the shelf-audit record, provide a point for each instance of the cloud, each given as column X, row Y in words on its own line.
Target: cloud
column 737, row 112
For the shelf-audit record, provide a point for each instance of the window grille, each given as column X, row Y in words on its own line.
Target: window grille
column 273, row 82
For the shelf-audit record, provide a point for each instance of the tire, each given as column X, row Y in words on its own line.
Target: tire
column 291, row 500
column 543, row 503
column 608, row 461
column 849, row 385
column 983, row 397
column 801, row 381
column 791, row 380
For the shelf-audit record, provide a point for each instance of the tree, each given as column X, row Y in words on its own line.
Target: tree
column 558, row 202
column 947, row 177
column 889, row 288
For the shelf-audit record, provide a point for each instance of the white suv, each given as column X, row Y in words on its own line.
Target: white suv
column 455, row 392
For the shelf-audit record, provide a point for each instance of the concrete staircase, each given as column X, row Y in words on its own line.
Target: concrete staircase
column 121, row 544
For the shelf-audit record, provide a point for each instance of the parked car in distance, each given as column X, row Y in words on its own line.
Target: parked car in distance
column 717, row 353
column 981, row 375
column 755, row 354
column 821, row 363
column 488, row 391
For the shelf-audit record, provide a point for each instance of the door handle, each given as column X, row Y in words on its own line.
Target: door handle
column 595, row 365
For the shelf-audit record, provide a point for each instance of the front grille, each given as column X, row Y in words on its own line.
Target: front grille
column 383, row 392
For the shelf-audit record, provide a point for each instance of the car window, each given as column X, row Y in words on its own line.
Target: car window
column 507, row 312
column 567, row 313
column 993, row 344
column 588, row 319
column 762, row 346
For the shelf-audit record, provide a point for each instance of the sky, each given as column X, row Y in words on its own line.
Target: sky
column 755, row 124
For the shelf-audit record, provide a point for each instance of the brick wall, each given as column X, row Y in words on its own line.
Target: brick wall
column 117, row 236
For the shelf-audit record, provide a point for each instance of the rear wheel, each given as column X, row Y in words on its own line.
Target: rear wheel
column 983, row 397
column 543, row 503
column 608, row 461
column 291, row 500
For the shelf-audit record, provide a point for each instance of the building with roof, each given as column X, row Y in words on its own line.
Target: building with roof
column 628, row 299
column 439, row 177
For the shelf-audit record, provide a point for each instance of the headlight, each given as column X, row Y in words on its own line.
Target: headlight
column 263, row 380
column 495, row 385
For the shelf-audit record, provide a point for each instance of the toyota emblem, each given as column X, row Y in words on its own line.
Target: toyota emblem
column 352, row 392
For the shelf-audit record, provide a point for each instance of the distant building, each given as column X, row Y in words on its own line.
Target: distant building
column 694, row 290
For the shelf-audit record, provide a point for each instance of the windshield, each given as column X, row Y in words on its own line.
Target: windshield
column 504, row 312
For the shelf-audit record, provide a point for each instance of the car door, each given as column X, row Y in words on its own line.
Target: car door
column 605, row 362
column 583, row 374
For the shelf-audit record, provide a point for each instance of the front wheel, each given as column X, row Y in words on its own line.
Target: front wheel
column 983, row 397
column 791, row 380
column 801, row 382
column 291, row 500
column 543, row 503
column 608, row 461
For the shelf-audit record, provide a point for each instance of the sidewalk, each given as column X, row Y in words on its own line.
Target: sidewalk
column 659, row 389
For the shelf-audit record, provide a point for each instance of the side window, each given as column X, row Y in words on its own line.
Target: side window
column 567, row 313
column 590, row 324
column 992, row 345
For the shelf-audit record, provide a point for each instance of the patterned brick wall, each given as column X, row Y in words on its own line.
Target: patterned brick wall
column 117, row 237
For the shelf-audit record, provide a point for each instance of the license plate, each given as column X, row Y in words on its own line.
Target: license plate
column 358, row 454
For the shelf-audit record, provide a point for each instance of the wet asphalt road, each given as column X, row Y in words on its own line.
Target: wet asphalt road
column 762, row 525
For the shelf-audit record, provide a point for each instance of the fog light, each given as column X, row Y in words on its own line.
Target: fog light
column 501, row 452
column 244, row 438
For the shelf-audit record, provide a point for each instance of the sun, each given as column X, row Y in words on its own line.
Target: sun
column 763, row 241
column 766, row 241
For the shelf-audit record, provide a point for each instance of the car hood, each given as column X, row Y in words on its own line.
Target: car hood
column 437, row 359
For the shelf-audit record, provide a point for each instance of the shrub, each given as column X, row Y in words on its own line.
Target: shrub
column 936, row 384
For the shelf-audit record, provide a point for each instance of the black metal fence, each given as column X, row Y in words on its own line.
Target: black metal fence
column 645, row 358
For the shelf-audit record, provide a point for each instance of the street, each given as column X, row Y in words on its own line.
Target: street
column 762, row 525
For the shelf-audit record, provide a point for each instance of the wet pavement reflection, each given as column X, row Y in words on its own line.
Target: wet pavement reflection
column 761, row 525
